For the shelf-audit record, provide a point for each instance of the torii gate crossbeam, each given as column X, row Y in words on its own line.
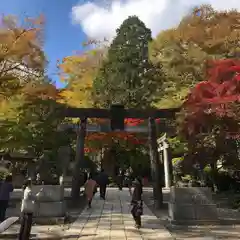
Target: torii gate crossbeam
column 129, row 113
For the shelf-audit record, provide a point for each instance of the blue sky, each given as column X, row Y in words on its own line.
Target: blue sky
column 62, row 37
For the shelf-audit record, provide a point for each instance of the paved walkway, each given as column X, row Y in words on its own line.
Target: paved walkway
column 111, row 220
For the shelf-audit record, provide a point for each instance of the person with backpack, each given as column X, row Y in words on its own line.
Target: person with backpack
column 6, row 188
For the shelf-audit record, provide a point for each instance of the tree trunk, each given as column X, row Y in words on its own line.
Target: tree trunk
column 76, row 180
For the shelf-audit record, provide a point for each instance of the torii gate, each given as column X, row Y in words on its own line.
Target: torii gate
column 84, row 113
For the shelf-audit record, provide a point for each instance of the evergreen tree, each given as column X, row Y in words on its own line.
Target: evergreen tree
column 127, row 76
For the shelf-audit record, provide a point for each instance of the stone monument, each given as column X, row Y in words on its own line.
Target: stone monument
column 192, row 205
column 50, row 204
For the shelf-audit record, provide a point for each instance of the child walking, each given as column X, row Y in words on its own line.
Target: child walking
column 137, row 209
column 90, row 186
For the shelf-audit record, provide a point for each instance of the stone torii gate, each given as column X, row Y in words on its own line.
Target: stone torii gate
column 84, row 113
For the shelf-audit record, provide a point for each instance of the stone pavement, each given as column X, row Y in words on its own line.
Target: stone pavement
column 111, row 220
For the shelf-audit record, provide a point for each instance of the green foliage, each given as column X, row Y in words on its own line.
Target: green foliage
column 30, row 121
column 177, row 161
column 186, row 178
column 127, row 76
column 137, row 159
column 177, row 146
column 177, row 165
column 3, row 173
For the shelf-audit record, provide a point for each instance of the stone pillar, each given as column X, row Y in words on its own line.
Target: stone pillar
column 170, row 166
column 163, row 150
column 166, row 165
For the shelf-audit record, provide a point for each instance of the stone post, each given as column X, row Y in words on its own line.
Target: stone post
column 166, row 165
column 163, row 150
column 170, row 166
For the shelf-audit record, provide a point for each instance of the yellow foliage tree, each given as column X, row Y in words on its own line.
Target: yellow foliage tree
column 78, row 72
column 27, row 98
column 21, row 57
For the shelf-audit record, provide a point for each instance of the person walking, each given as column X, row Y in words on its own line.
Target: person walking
column 120, row 179
column 89, row 189
column 6, row 188
column 27, row 210
column 129, row 179
column 102, row 181
column 137, row 203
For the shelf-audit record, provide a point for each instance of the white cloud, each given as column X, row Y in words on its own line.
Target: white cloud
column 100, row 21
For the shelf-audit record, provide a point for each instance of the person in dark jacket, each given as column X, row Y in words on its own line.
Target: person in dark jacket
column 6, row 188
column 120, row 179
column 102, row 181
column 137, row 209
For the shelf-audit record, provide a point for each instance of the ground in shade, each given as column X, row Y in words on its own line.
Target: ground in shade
column 111, row 219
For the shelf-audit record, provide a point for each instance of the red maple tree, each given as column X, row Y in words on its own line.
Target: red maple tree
column 214, row 100
column 106, row 138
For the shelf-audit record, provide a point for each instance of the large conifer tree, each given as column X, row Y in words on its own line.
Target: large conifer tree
column 127, row 76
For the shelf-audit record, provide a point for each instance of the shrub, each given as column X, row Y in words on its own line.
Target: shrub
column 3, row 173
